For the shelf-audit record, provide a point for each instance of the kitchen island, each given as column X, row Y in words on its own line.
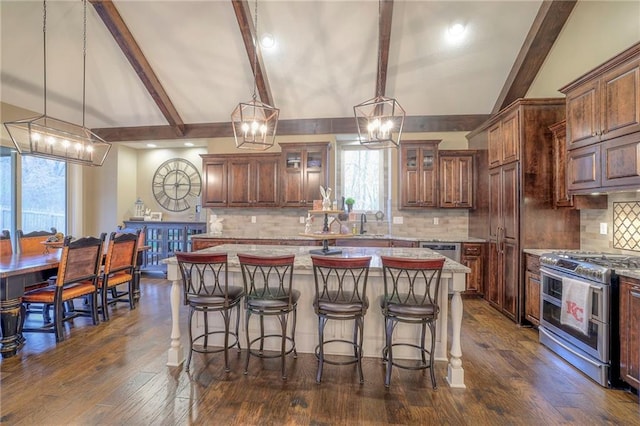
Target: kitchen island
column 452, row 282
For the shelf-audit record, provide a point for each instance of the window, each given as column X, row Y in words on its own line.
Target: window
column 363, row 176
column 41, row 188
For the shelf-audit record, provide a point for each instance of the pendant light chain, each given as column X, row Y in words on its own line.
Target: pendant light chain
column 44, row 52
column 255, row 51
column 379, row 86
column 84, row 58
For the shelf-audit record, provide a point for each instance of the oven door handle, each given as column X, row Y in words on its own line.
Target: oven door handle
column 549, row 273
column 573, row 351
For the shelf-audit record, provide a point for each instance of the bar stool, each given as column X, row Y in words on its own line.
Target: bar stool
column 341, row 288
column 267, row 286
column 410, row 296
column 206, row 290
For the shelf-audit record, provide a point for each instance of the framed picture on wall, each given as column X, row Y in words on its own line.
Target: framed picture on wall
column 155, row 216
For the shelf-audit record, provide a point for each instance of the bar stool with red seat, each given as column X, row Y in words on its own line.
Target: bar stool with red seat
column 341, row 295
column 410, row 296
column 268, row 293
column 206, row 290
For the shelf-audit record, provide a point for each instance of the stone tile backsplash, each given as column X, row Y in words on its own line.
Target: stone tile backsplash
column 280, row 223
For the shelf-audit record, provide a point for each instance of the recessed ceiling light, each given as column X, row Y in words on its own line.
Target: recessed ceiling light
column 456, row 32
column 267, row 41
column 151, row 145
column 188, row 144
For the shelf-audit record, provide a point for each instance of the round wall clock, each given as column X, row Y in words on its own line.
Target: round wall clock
column 174, row 182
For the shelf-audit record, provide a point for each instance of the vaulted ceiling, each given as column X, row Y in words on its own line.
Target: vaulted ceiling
column 176, row 69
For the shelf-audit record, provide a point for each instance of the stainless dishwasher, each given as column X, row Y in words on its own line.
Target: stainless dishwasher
column 450, row 250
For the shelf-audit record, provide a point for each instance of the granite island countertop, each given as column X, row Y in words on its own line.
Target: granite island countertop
column 303, row 257
column 240, row 234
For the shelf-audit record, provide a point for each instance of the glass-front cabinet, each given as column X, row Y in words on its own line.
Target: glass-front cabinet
column 418, row 174
column 304, row 170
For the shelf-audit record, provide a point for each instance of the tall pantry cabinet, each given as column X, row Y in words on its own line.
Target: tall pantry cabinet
column 518, row 212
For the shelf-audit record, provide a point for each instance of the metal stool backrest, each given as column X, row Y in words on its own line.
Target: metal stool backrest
column 267, row 277
column 5, row 243
column 411, row 281
column 122, row 252
column 31, row 243
column 81, row 260
column 203, row 274
column 341, row 280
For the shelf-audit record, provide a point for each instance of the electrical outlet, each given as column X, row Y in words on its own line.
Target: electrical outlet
column 603, row 228
column 253, row 219
column 398, row 220
column 301, row 219
column 436, row 220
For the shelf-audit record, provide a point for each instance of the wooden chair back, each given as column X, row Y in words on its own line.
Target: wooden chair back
column 121, row 252
column 81, row 260
column 31, row 243
column 5, row 243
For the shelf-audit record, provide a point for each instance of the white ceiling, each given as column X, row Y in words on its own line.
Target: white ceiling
column 325, row 61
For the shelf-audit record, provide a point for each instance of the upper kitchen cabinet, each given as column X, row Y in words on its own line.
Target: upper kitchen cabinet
column 456, row 170
column 253, row 180
column 214, row 190
column 605, row 103
column 233, row 180
column 503, row 140
column 304, row 168
column 418, row 174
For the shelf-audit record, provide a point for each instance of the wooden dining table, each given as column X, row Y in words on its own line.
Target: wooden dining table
column 18, row 272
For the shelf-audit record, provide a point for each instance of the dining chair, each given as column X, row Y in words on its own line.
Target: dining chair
column 206, row 290
column 119, row 268
column 341, row 295
column 410, row 296
column 5, row 243
column 77, row 277
column 268, row 293
column 31, row 243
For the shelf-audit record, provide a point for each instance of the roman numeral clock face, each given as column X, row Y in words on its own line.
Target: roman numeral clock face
column 175, row 183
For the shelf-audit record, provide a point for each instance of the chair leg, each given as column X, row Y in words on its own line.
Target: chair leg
column 388, row 350
column 57, row 318
column 93, row 300
column 293, row 332
column 105, row 306
column 422, row 340
column 431, row 356
column 322, row 321
column 226, row 315
column 246, row 333
column 360, row 326
column 238, row 326
column 261, row 334
column 283, row 345
column 206, row 329
column 186, row 365
column 132, row 302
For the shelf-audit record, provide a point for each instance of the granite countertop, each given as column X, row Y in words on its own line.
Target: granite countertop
column 303, row 258
column 630, row 273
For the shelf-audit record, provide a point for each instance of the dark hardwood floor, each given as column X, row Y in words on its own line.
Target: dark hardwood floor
column 115, row 373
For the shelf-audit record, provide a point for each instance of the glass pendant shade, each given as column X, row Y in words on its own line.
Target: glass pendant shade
column 379, row 122
column 55, row 139
column 254, row 125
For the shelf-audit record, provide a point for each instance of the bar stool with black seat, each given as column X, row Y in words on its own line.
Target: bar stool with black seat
column 77, row 277
column 341, row 294
column 411, row 289
column 268, row 293
column 119, row 265
column 206, row 289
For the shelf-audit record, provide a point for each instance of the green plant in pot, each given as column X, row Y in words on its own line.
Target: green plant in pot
column 349, row 202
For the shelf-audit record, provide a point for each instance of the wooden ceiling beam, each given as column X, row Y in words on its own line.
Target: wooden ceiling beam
column 123, row 37
column 250, row 38
column 544, row 31
column 412, row 124
column 384, row 41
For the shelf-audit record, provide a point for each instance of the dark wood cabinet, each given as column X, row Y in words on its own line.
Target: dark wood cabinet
column 472, row 256
column 214, row 190
column 518, row 209
column 583, row 169
column 232, row 180
column 605, row 103
column 363, row 242
column 456, row 169
column 404, row 243
column 418, row 174
column 532, row 289
column 580, row 176
column 621, row 162
column 304, row 168
column 253, row 180
column 630, row 331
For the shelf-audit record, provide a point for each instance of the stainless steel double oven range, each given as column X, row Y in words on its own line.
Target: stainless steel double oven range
column 595, row 353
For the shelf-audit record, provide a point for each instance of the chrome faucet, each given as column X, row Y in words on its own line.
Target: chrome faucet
column 363, row 220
